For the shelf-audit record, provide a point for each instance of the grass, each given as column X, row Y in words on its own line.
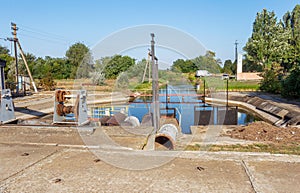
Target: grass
column 217, row 84
column 257, row 147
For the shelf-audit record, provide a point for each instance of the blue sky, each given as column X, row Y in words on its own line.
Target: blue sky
column 49, row 27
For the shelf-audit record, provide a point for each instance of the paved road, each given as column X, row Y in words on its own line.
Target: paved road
column 57, row 160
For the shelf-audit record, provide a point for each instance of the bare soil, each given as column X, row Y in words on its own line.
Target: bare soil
column 263, row 132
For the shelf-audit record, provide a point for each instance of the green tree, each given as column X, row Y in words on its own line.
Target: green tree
column 184, row 66
column 117, row 65
column 4, row 55
column 30, row 59
column 295, row 26
column 269, row 40
column 177, row 65
column 79, row 56
column 137, row 70
column 272, row 79
column 4, row 50
column 291, row 85
column 208, row 62
column 250, row 66
column 229, row 67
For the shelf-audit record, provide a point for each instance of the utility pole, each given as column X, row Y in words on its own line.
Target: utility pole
column 155, row 88
column 15, row 39
column 27, row 68
column 236, row 51
column 17, row 42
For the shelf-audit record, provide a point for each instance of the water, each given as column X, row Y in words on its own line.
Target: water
column 185, row 111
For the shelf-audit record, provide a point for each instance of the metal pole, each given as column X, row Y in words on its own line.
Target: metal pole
column 155, row 96
column 204, row 92
column 27, row 68
column 14, row 28
column 236, row 52
column 17, row 69
column 227, row 94
column 167, row 97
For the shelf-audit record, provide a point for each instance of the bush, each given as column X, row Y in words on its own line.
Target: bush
column 47, row 82
column 271, row 79
column 291, row 85
column 97, row 78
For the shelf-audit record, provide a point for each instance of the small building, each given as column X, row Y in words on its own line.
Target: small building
column 202, row 73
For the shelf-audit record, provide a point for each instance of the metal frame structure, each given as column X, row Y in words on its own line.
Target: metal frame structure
column 70, row 107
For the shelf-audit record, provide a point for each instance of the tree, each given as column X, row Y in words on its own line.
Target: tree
column 4, row 55
column 178, row 65
column 184, row 66
column 272, row 79
column 117, row 65
column 137, row 70
column 291, row 85
column 4, row 50
column 228, row 67
column 269, row 41
column 250, row 66
column 207, row 62
column 295, row 26
column 79, row 55
column 30, row 59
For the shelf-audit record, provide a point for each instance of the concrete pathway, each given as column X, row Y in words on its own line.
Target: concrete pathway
column 57, row 160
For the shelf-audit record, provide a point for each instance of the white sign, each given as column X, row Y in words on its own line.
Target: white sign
column 240, row 64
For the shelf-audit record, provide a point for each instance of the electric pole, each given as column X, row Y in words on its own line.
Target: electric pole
column 236, row 51
column 15, row 39
column 155, row 87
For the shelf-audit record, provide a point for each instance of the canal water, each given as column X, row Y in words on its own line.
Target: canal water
column 184, row 100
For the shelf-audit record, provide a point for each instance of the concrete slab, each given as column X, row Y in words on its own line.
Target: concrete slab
column 80, row 171
column 55, row 159
column 40, row 134
column 271, row 176
column 16, row 158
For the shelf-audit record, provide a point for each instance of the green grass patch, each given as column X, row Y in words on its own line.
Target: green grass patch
column 217, row 84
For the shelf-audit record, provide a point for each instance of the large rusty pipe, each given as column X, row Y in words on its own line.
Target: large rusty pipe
column 166, row 136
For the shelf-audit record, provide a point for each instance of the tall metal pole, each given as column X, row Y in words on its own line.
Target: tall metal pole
column 27, row 68
column 167, row 105
column 204, row 92
column 14, row 28
column 227, row 93
column 155, row 88
column 236, row 52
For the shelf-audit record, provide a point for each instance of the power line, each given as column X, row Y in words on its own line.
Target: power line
column 30, row 29
column 45, row 39
column 41, row 34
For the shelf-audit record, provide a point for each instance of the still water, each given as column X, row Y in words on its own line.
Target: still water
column 184, row 104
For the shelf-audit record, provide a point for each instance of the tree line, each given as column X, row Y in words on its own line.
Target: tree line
column 274, row 50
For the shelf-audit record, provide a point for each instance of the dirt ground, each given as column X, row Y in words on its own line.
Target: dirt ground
column 263, row 132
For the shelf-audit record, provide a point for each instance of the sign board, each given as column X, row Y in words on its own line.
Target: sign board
column 240, row 64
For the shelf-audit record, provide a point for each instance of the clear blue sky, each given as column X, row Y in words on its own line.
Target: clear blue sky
column 49, row 27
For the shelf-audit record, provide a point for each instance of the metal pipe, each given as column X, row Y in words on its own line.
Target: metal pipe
column 166, row 136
